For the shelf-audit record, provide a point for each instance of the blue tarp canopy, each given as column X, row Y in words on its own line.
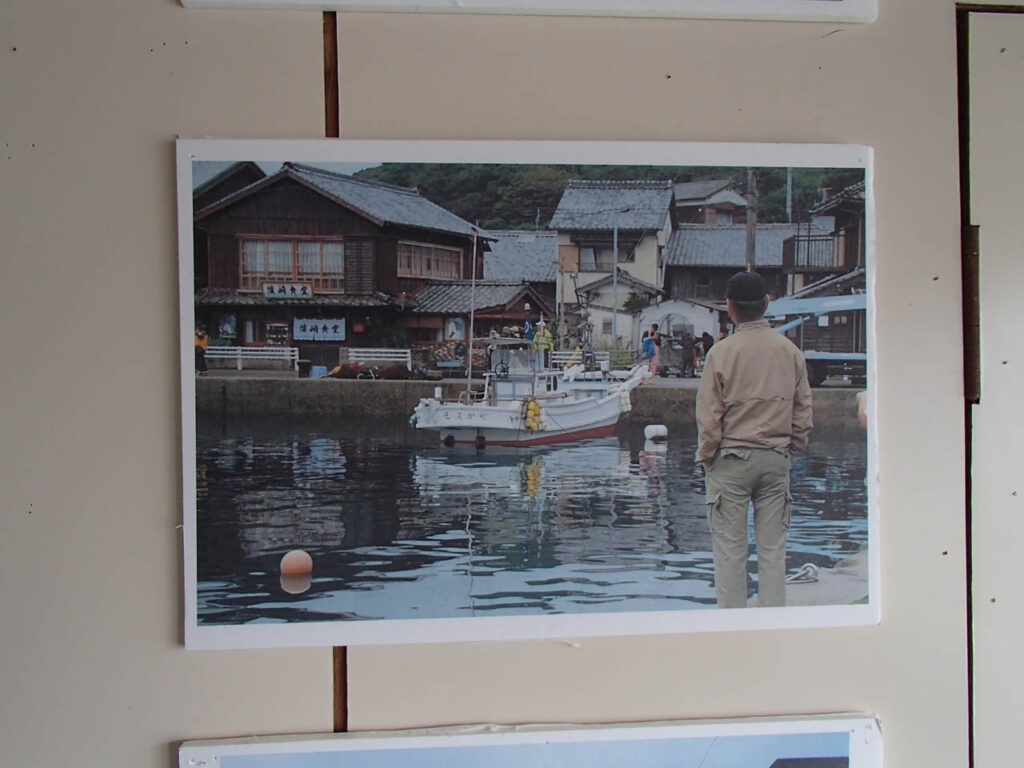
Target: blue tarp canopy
column 791, row 324
column 817, row 306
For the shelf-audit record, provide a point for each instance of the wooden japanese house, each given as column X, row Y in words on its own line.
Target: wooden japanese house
column 309, row 248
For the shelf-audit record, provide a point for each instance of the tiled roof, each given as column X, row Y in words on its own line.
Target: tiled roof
column 522, row 255
column 624, row 279
column 208, row 174
column 460, row 296
column 833, row 285
column 689, row 191
column 386, row 203
column 725, row 245
column 853, row 192
column 602, row 205
column 381, row 203
column 212, row 297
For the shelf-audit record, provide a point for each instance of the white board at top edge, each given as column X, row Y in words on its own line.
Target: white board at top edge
column 755, row 10
column 410, row 628
column 857, row 739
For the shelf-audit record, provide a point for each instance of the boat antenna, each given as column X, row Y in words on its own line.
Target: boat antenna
column 472, row 307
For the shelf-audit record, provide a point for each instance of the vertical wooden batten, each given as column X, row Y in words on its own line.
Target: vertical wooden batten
column 332, row 130
column 340, row 659
column 332, row 123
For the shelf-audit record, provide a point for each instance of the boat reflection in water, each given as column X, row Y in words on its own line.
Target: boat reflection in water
column 397, row 530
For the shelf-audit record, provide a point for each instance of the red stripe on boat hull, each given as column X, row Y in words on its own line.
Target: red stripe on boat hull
column 562, row 437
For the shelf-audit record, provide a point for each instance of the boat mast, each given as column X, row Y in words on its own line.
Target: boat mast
column 472, row 307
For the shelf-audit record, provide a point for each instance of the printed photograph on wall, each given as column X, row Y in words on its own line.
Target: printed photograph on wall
column 840, row 742
column 792, row 10
column 441, row 391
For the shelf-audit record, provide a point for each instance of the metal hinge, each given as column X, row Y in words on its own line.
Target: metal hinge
column 969, row 253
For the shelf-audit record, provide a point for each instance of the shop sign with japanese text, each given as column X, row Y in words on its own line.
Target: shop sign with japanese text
column 318, row 329
column 287, row 290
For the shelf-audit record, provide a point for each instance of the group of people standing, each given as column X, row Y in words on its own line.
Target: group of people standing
column 695, row 350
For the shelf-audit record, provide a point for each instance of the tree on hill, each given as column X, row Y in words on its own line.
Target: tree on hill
column 520, row 196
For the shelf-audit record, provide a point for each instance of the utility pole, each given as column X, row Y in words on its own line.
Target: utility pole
column 751, row 218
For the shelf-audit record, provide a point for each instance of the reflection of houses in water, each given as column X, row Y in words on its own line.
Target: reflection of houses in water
column 282, row 508
column 586, row 498
column 277, row 520
column 289, row 513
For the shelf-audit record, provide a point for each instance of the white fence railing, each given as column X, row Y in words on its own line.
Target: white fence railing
column 376, row 355
column 241, row 354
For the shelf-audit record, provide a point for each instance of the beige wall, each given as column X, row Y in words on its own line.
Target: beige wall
column 93, row 672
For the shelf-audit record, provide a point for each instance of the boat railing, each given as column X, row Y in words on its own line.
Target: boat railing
column 561, row 358
column 470, row 396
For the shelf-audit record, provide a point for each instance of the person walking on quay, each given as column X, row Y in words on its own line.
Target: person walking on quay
column 689, row 355
column 202, row 342
column 753, row 415
column 646, row 349
column 656, row 338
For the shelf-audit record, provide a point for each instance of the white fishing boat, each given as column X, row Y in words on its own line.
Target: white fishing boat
column 524, row 403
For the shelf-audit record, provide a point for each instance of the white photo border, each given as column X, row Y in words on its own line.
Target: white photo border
column 757, row 10
column 864, row 747
column 499, row 628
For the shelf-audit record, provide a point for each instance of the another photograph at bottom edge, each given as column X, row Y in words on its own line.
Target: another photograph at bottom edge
column 827, row 742
column 443, row 391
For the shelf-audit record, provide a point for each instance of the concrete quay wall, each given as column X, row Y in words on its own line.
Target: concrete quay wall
column 251, row 398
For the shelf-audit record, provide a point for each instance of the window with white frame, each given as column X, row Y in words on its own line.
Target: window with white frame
column 437, row 262
column 318, row 262
column 600, row 259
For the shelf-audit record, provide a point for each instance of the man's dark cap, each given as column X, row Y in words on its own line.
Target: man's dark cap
column 745, row 286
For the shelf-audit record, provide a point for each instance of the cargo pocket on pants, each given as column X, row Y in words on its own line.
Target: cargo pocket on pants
column 714, row 501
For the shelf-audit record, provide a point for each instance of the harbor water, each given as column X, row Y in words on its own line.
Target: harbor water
column 400, row 527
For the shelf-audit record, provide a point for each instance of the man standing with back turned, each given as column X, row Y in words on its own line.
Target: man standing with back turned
column 753, row 414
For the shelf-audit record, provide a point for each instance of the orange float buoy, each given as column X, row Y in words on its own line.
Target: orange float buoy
column 295, row 562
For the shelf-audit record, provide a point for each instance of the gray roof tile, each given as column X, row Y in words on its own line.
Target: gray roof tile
column 602, row 205
column 725, row 245
column 522, row 255
column 384, row 203
column 624, row 279
column 459, row 296
column 224, row 297
column 835, row 284
column 380, row 203
column 689, row 191
column 853, row 192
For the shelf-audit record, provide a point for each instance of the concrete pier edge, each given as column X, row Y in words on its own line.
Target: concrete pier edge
column 301, row 399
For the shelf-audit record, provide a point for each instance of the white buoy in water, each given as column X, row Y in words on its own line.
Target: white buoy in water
column 655, row 432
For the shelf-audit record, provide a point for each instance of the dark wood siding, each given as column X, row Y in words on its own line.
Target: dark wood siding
column 359, row 265
column 289, row 209
column 689, row 282
column 845, row 333
column 223, row 261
